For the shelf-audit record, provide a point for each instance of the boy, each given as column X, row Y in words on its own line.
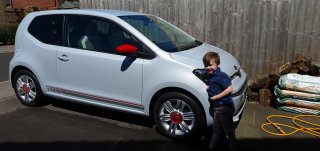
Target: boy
column 221, row 103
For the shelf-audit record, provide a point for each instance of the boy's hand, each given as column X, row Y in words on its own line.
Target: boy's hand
column 213, row 98
column 209, row 69
column 227, row 91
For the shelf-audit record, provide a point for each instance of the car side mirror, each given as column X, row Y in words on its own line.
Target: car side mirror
column 127, row 49
column 202, row 75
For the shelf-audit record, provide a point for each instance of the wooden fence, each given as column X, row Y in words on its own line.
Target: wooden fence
column 261, row 34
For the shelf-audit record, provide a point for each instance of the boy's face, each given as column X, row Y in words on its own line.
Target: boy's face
column 211, row 67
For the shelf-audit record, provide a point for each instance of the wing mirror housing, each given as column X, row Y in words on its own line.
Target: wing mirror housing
column 127, row 49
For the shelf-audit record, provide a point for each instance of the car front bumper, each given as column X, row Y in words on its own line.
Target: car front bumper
column 239, row 99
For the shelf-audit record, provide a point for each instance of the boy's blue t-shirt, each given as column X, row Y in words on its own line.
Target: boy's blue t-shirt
column 218, row 82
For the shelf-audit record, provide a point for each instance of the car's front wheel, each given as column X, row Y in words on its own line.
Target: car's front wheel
column 178, row 116
column 27, row 88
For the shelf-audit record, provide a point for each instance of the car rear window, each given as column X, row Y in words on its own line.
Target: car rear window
column 47, row 29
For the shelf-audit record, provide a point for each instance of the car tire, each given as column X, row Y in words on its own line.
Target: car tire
column 178, row 116
column 27, row 88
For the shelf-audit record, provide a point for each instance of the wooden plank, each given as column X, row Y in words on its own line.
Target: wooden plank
column 264, row 97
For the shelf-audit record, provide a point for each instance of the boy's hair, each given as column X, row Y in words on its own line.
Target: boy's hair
column 210, row 56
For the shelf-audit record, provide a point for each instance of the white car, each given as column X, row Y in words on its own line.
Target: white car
column 119, row 60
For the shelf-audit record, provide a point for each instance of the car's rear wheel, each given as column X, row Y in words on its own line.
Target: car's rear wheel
column 27, row 88
column 178, row 116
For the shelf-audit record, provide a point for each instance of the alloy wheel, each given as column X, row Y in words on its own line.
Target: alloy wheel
column 176, row 117
column 26, row 88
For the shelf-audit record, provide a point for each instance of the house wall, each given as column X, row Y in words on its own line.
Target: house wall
column 40, row 4
column 8, row 15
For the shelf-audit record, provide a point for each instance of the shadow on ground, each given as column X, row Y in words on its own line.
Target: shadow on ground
column 291, row 144
column 4, row 65
column 103, row 113
column 245, row 145
column 39, row 129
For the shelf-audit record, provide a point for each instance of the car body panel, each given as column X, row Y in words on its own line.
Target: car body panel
column 101, row 74
column 40, row 58
column 193, row 57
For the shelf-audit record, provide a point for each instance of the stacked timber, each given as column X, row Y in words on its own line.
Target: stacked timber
column 261, row 89
column 301, row 65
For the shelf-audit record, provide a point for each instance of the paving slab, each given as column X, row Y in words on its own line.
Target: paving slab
column 6, row 91
column 6, row 48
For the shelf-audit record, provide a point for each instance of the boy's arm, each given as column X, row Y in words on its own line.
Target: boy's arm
column 224, row 93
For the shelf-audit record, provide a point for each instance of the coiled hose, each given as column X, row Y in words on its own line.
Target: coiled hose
column 314, row 128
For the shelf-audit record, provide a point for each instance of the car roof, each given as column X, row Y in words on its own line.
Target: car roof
column 116, row 12
column 83, row 11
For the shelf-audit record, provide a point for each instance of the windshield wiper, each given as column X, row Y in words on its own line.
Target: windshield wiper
column 195, row 44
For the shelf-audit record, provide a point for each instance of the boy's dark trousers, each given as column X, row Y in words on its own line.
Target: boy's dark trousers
column 223, row 125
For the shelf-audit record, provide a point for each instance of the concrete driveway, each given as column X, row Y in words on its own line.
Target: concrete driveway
column 6, row 53
column 68, row 126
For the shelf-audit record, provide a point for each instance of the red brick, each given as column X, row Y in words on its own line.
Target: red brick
column 40, row 4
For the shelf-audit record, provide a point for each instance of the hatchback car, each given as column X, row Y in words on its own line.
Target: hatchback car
column 120, row 60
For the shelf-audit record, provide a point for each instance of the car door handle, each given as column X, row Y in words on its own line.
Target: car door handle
column 63, row 58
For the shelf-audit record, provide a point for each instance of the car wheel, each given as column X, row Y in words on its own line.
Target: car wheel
column 27, row 88
column 178, row 116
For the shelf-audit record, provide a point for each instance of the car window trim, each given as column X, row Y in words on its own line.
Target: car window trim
column 62, row 26
column 149, row 54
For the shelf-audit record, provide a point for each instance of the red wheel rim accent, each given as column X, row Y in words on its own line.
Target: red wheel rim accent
column 25, row 89
column 176, row 117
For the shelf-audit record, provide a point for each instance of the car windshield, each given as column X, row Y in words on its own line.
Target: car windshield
column 165, row 35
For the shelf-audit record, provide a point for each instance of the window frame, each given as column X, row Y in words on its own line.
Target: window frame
column 61, row 26
column 145, row 53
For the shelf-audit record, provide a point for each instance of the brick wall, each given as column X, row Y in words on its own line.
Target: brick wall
column 40, row 4
column 8, row 15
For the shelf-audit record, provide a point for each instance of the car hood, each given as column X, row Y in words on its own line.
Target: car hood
column 193, row 57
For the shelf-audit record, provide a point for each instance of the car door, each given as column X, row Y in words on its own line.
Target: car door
column 45, row 40
column 89, row 68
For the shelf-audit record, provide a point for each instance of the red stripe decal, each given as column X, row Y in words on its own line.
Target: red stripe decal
column 98, row 97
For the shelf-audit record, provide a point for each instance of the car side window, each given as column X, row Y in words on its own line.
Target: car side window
column 96, row 34
column 47, row 29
